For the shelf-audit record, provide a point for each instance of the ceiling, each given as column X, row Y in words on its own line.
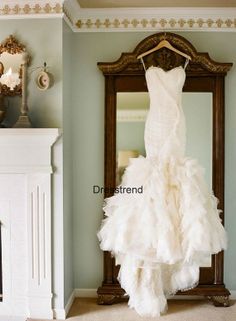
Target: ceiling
column 154, row 3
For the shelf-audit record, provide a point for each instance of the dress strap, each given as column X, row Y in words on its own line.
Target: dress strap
column 186, row 63
column 143, row 64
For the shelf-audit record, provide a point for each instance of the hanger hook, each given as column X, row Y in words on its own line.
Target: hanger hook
column 165, row 36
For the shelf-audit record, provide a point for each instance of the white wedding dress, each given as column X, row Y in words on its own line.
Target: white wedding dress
column 161, row 236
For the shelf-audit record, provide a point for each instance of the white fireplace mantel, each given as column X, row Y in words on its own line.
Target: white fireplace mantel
column 25, row 214
column 26, row 150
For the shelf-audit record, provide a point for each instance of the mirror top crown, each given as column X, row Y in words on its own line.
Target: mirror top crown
column 12, row 46
column 166, row 59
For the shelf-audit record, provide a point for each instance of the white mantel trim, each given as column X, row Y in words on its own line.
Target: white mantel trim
column 29, row 131
column 28, row 152
column 20, row 143
column 28, row 136
column 26, row 169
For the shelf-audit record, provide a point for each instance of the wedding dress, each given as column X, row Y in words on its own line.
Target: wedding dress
column 161, row 236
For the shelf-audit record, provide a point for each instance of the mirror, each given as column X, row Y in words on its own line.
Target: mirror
column 203, row 103
column 13, row 60
column 132, row 108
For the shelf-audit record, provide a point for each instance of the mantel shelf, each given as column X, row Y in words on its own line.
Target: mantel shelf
column 27, row 150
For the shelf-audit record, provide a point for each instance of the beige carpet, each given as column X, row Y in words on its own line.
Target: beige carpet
column 179, row 310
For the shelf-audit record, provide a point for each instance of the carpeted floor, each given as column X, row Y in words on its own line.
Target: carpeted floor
column 86, row 309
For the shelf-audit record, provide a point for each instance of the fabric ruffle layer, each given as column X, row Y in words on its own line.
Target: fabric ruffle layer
column 160, row 237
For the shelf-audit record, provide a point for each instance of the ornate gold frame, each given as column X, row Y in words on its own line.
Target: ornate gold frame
column 12, row 46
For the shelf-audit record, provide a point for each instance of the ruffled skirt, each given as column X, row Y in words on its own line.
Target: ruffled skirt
column 161, row 236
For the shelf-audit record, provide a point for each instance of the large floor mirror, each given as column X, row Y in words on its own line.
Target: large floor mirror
column 126, row 106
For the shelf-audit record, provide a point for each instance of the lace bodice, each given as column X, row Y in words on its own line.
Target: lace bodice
column 165, row 125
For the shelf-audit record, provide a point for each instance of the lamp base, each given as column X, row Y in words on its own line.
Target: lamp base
column 23, row 122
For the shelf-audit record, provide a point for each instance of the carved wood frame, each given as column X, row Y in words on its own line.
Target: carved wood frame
column 202, row 74
column 12, row 46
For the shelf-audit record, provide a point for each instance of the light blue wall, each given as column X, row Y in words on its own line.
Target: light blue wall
column 129, row 136
column 67, row 163
column 198, row 114
column 88, row 146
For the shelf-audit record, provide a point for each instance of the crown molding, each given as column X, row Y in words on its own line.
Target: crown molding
column 152, row 19
column 71, row 9
column 122, row 19
column 12, row 9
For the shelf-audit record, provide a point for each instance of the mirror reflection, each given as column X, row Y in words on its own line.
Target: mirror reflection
column 13, row 59
column 132, row 108
column 10, row 61
column 10, row 71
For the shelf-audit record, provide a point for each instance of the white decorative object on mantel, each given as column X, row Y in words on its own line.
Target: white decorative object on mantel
column 25, row 213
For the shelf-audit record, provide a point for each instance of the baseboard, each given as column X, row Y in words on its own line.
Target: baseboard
column 92, row 293
column 70, row 302
column 233, row 294
column 60, row 314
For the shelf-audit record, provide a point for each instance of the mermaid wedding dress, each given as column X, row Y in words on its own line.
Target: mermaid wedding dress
column 161, row 236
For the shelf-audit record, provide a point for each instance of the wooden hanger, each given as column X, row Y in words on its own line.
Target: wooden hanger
column 166, row 44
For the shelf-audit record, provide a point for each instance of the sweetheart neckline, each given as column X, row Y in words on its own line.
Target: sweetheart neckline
column 165, row 71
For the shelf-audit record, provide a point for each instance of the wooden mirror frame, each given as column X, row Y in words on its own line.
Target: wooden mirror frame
column 202, row 75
